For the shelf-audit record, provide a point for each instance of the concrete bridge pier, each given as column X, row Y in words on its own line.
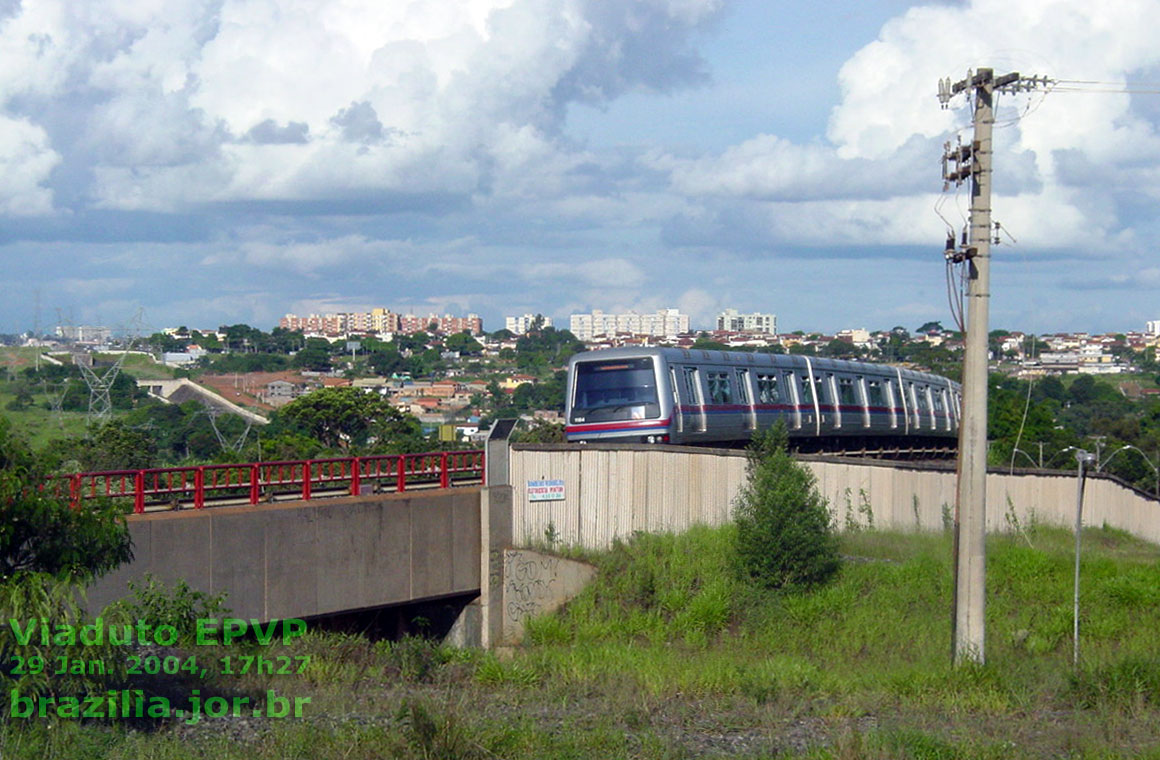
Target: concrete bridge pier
column 481, row 622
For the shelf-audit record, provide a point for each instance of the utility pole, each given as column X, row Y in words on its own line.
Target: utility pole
column 973, row 162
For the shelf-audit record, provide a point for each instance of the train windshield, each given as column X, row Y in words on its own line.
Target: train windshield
column 622, row 389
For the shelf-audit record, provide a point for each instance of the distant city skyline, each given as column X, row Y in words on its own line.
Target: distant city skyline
column 231, row 162
column 1151, row 327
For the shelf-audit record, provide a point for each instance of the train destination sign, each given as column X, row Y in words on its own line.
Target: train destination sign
column 545, row 490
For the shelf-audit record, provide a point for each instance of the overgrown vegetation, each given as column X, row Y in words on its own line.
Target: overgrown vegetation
column 179, row 607
column 668, row 654
column 41, row 533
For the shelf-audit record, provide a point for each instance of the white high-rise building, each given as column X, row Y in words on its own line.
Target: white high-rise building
column 664, row 323
column 520, row 325
column 1153, row 328
column 731, row 320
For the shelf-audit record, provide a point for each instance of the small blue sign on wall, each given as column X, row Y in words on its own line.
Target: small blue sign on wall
column 545, row 490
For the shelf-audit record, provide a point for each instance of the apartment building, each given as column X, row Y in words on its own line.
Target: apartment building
column 664, row 323
column 731, row 320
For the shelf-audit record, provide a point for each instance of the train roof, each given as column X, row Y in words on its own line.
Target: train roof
column 750, row 358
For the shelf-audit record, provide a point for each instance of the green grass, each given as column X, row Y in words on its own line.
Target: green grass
column 666, row 655
column 37, row 423
column 139, row 366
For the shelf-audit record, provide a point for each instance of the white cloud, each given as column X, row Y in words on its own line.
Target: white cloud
column 1060, row 158
column 218, row 100
column 26, row 162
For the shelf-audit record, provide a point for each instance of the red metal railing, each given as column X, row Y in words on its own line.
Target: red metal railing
column 254, row 482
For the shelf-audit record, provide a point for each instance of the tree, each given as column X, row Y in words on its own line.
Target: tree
column 840, row 349
column 345, row 417
column 387, row 363
column 41, row 532
column 547, row 347
column 929, row 327
column 1083, row 389
column 112, row 446
column 784, row 534
column 541, row 431
column 314, row 356
column 163, row 343
column 708, row 344
column 463, row 343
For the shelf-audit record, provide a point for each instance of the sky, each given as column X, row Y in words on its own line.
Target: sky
column 210, row 162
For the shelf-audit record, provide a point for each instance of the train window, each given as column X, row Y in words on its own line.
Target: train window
column 767, row 390
column 874, row 393
column 743, row 386
column 787, row 388
column 692, row 392
column 847, row 395
column 615, row 389
column 720, row 392
column 807, row 391
column 938, row 403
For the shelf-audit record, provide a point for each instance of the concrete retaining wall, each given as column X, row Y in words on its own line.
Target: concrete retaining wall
column 536, row 584
column 300, row 559
column 610, row 493
column 185, row 389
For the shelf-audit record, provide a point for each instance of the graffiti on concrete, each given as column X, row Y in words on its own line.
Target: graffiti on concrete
column 528, row 586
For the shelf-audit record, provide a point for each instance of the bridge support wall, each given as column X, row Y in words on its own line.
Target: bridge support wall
column 610, row 492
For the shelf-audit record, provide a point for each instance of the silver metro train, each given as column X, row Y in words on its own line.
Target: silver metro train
column 673, row 395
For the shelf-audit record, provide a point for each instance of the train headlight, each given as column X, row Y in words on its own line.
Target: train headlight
column 651, row 439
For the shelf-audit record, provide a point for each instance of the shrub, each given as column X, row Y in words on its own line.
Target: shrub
column 41, row 533
column 784, row 534
column 32, row 602
column 180, row 607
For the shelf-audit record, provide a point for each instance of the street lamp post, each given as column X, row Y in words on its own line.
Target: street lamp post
column 1029, row 458
column 1155, row 470
column 1082, row 458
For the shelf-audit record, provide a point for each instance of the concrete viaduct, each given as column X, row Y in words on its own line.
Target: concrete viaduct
column 313, row 558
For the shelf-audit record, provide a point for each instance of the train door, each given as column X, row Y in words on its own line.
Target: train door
column 790, row 397
column 830, row 393
column 876, row 402
column 768, row 397
column 902, row 397
column 809, row 398
column 860, row 399
column 745, row 396
column 953, row 407
column 915, row 411
column 678, row 417
column 693, row 408
column 887, row 391
column 727, row 421
column 928, row 406
column 851, row 400
column 941, row 418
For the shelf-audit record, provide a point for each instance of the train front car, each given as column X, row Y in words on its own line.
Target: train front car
column 615, row 397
